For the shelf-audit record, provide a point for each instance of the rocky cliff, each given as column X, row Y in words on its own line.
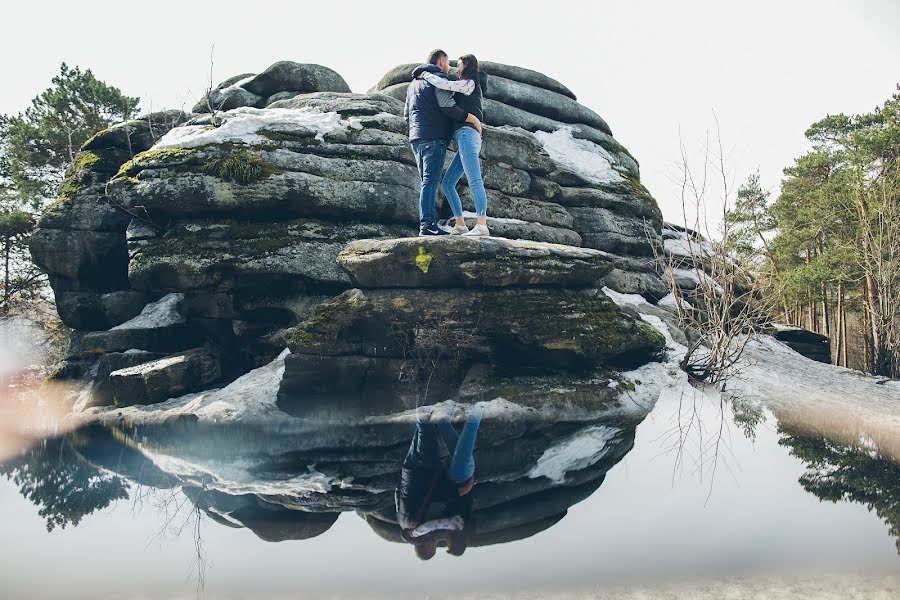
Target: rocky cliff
column 186, row 249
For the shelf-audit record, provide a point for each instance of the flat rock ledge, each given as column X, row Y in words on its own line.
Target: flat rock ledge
column 462, row 262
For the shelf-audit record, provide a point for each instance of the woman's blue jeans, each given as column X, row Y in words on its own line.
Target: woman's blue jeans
column 424, row 447
column 468, row 142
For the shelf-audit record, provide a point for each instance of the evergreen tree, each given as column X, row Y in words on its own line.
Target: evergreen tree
column 38, row 144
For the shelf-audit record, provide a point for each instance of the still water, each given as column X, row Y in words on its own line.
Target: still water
column 692, row 492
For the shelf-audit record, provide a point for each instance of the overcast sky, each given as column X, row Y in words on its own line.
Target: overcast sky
column 768, row 68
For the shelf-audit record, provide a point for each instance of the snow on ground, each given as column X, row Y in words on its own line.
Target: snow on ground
column 242, row 125
column 582, row 156
column 835, row 401
column 162, row 313
column 574, row 453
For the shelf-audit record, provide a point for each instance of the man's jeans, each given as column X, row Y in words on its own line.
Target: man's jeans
column 430, row 155
column 468, row 142
column 424, row 450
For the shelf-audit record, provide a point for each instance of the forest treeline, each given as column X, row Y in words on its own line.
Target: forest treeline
column 826, row 248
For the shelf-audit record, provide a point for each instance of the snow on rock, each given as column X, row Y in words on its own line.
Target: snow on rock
column 237, row 84
column 162, row 313
column 632, row 300
column 237, row 478
column 582, row 156
column 242, row 125
column 669, row 301
column 686, row 248
column 574, row 453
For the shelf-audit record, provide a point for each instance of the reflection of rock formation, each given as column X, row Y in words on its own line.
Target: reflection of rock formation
column 292, row 480
column 839, row 472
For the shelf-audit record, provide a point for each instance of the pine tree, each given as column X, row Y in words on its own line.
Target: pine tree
column 38, row 144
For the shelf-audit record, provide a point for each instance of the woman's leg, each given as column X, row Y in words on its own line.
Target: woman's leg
column 448, row 187
column 462, row 465
column 469, row 144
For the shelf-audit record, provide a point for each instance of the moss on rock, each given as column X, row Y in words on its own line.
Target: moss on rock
column 240, row 167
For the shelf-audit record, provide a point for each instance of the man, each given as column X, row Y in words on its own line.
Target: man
column 429, row 134
column 433, row 499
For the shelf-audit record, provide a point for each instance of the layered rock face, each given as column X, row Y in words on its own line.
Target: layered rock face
column 211, row 234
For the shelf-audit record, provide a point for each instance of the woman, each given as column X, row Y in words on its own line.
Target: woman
column 468, row 96
column 433, row 498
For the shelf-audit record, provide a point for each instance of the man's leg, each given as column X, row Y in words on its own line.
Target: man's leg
column 433, row 154
column 418, row 149
column 423, row 449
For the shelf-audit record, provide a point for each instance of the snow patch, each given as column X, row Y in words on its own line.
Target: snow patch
column 582, row 156
column 574, row 453
column 242, row 125
column 630, row 300
column 162, row 313
column 237, row 84
column 669, row 301
column 687, row 248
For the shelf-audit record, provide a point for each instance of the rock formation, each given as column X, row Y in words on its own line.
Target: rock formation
column 187, row 249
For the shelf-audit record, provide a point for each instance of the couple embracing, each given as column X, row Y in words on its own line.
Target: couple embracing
column 437, row 110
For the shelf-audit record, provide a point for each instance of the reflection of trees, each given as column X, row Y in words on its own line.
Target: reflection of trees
column 837, row 472
column 62, row 485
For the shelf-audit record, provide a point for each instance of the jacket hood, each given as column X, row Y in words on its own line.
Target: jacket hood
column 424, row 68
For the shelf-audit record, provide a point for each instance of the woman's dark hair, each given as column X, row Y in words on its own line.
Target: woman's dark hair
column 468, row 67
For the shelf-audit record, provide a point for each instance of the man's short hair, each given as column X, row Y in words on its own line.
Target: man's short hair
column 435, row 55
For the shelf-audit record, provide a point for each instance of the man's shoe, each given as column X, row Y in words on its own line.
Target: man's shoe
column 431, row 229
column 478, row 231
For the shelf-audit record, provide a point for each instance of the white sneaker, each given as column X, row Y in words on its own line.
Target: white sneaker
column 478, row 231
column 458, row 229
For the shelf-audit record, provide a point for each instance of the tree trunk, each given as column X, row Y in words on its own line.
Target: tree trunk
column 7, row 248
column 844, row 334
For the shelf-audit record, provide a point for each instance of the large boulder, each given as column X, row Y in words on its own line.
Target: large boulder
column 164, row 378
column 289, row 76
column 502, row 324
column 458, row 261
column 812, row 345
column 224, row 255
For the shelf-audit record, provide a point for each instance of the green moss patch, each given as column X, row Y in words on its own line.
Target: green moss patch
column 146, row 159
column 240, row 167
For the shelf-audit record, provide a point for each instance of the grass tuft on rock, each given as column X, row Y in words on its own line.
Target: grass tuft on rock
column 240, row 167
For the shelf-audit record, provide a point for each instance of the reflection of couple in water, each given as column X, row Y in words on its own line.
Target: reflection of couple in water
column 434, row 503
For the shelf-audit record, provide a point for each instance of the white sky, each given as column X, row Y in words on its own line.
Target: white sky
column 650, row 68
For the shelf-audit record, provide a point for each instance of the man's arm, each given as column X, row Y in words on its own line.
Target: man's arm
column 406, row 109
column 448, row 105
column 463, row 86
